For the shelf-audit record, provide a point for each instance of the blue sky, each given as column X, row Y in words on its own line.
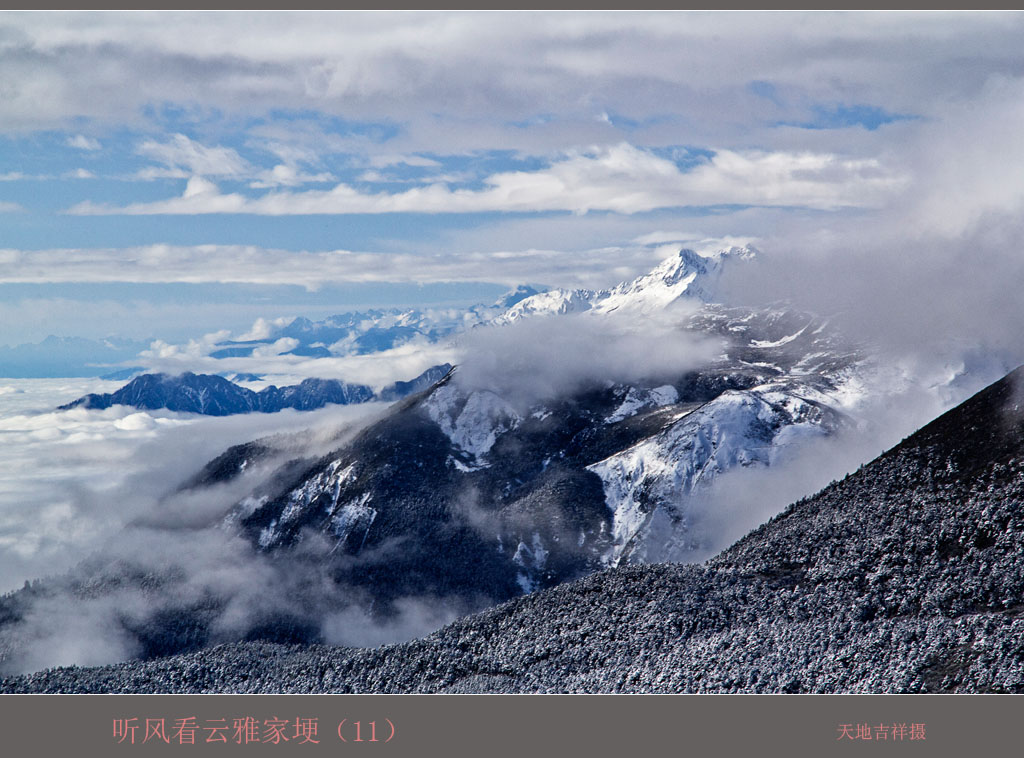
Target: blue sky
column 187, row 166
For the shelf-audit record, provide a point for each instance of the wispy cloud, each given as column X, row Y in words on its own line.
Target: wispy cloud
column 285, row 175
column 392, row 159
column 63, row 502
column 81, row 142
column 621, row 178
column 313, row 269
column 182, row 157
column 376, row 370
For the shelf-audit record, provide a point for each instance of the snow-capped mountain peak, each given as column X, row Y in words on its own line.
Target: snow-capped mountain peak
column 685, row 274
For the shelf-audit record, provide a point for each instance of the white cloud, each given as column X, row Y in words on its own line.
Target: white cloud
column 395, row 64
column 286, row 149
column 193, row 349
column 550, row 356
column 660, row 238
column 182, row 157
column 970, row 163
column 6, row 207
column 285, row 175
column 81, row 142
column 279, row 347
column 622, row 178
column 391, row 159
column 374, row 369
column 255, row 265
column 80, row 173
column 373, row 176
column 105, row 485
column 262, row 329
column 197, row 186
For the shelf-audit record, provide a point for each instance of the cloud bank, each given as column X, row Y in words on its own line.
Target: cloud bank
column 396, row 64
column 549, row 357
column 73, row 479
column 134, row 564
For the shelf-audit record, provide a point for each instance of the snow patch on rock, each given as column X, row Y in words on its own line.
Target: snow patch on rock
column 738, row 428
column 472, row 422
column 351, row 516
column 638, row 400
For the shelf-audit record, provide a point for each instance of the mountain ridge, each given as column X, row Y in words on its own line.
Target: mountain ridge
column 213, row 395
column 930, row 600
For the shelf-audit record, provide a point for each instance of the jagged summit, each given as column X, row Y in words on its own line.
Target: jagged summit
column 688, row 262
column 686, row 274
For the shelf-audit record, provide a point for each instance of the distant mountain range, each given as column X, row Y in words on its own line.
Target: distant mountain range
column 213, row 395
column 353, row 333
column 371, row 331
column 686, row 274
